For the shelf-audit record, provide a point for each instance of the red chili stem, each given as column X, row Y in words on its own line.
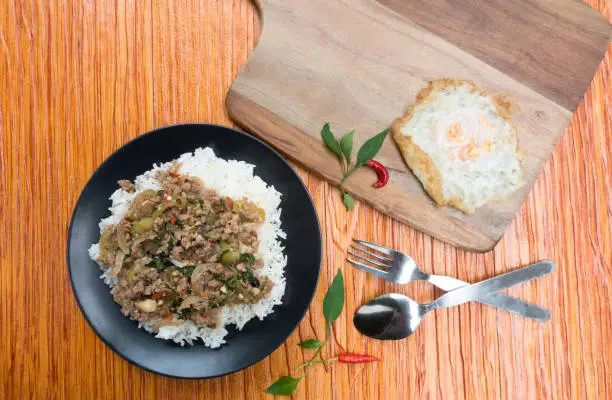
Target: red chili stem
column 351, row 358
column 381, row 171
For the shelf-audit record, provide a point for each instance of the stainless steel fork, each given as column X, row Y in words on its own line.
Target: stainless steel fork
column 400, row 268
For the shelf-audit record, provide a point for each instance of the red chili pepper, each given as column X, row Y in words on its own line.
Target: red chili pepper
column 381, row 171
column 173, row 219
column 350, row 358
column 174, row 174
column 230, row 203
column 157, row 296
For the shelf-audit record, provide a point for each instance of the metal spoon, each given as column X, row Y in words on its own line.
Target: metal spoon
column 395, row 316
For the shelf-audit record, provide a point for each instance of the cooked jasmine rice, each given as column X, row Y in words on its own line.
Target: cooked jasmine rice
column 234, row 179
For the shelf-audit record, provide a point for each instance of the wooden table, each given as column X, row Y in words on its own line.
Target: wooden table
column 79, row 79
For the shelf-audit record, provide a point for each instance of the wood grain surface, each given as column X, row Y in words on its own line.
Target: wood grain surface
column 80, row 78
column 360, row 64
column 552, row 46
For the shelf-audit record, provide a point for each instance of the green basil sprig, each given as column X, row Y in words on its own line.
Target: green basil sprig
column 332, row 308
column 343, row 150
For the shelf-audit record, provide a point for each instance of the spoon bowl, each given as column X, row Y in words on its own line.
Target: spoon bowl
column 389, row 317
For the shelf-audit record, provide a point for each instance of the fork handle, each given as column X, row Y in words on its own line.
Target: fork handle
column 498, row 300
column 445, row 283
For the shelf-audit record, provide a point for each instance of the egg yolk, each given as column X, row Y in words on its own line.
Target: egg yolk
column 454, row 133
column 463, row 144
column 474, row 150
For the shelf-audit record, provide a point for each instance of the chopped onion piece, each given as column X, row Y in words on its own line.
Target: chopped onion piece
column 177, row 263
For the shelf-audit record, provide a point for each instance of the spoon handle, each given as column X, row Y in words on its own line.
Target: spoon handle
column 474, row 292
column 498, row 300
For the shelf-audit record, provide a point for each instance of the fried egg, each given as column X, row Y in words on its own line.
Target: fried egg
column 461, row 145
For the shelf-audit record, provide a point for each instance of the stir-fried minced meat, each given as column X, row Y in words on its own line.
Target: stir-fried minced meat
column 126, row 185
column 184, row 252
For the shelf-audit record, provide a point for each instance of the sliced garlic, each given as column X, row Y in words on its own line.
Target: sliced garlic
column 147, row 305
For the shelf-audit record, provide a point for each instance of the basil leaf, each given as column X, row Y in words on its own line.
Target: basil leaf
column 231, row 283
column 253, row 281
column 187, row 311
column 371, row 147
column 348, row 201
column 346, row 145
column 330, row 141
column 158, row 263
column 334, row 299
column 284, row 386
column 310, row 344
column 247, row 258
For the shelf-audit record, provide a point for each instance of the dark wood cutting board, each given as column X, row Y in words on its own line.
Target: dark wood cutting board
column 358, row 64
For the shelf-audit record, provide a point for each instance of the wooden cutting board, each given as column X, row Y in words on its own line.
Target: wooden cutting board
column 358, row 64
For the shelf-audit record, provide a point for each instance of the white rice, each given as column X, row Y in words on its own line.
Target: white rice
column 229, row 178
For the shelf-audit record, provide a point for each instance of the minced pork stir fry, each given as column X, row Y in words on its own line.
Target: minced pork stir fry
column 183, row 252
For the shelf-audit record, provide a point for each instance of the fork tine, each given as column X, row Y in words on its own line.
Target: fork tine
column 378, row 264
column 372, row 254
column 377, row 272
column 376, row 247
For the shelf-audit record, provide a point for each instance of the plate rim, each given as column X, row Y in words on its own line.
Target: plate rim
column 151, row 133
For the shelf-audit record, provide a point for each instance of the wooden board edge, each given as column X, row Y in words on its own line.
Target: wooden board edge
column 266, row 125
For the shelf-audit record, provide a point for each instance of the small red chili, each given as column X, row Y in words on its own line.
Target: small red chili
column 381, row 171
column 173, row 219
column 229, row 202
column 350, row 358
column 157, row 296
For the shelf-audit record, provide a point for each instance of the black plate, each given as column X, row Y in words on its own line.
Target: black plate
column 258, row 338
